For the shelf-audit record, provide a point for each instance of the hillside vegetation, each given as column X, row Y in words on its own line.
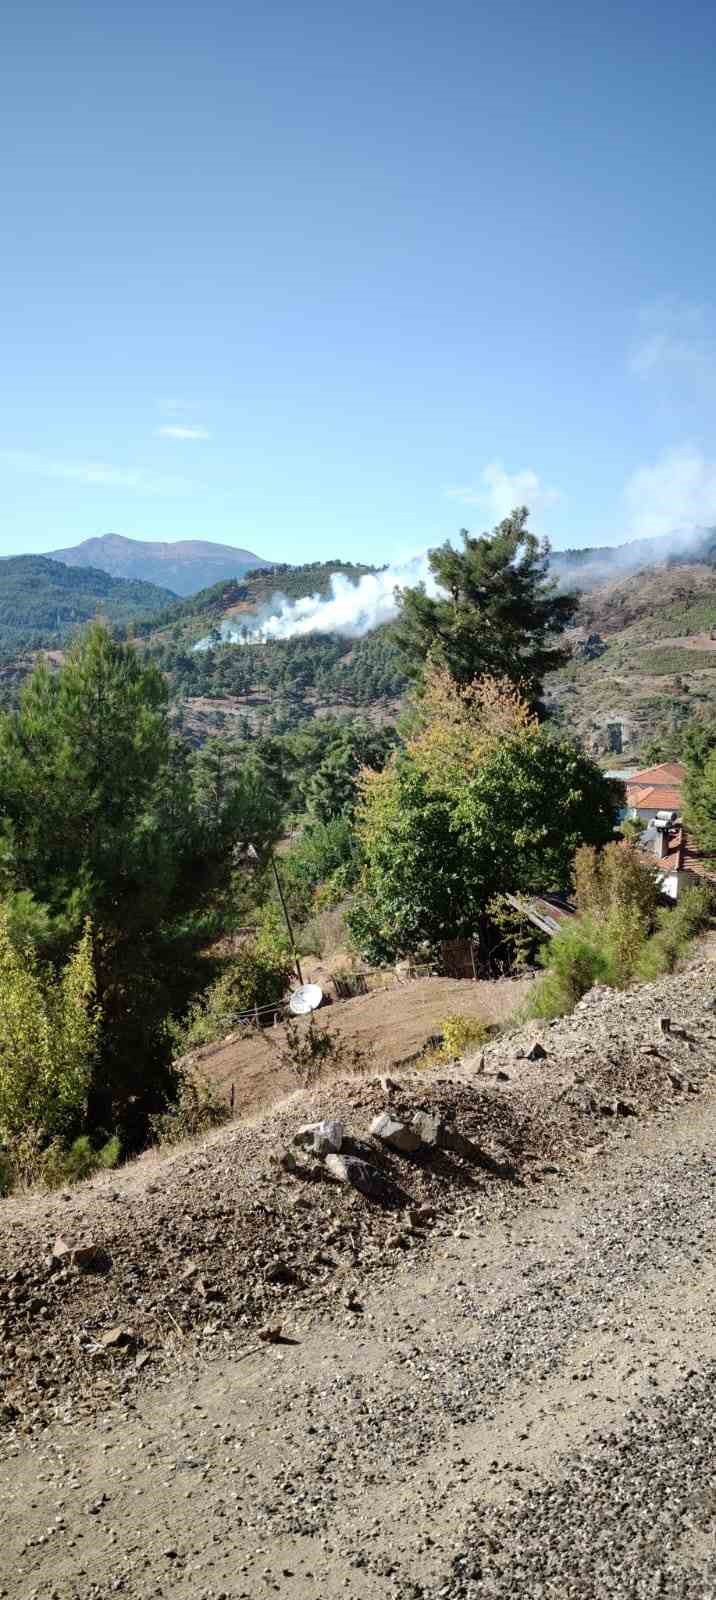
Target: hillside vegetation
column 656, row 667
column 42, row 601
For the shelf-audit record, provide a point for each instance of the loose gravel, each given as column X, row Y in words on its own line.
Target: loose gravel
column 521, row 1402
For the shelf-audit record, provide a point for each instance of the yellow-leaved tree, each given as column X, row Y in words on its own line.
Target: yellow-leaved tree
column 48, row 1037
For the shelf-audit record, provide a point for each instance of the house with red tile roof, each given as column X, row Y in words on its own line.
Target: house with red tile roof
column 656, row 789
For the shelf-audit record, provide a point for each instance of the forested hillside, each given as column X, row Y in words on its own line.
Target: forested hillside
column 42, row 601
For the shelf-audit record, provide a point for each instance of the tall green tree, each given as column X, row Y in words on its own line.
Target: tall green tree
column 483, row 801
column 498, row 615
column 103, row 815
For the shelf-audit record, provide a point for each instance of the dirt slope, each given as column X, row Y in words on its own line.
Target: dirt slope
column 392, row 1025
column 528, row 1412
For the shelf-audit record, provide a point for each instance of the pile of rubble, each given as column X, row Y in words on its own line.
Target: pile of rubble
column 265, row 1225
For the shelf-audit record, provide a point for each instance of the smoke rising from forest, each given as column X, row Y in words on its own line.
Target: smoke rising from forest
column 353, row 609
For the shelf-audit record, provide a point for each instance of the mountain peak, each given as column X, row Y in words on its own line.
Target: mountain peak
column 183, row 565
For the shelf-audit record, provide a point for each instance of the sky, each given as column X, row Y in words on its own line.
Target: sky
column 338, row 280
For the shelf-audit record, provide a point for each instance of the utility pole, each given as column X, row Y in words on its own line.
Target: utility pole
column 287, row 919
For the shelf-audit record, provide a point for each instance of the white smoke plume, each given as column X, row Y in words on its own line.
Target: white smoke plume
column 351, row 609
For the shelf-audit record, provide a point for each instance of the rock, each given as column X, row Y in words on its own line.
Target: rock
column 421, row 1216
column 397, row 1134
column 91, row 1258
column 60, row 1251
column 270, row 1335
column 280, row 1272
column 321, row 1136
column 502, row 1077
column 118, row 1339
column 428, row 1126
column 359, row 1175
column 710, row 1003
column 389, row 1085
column 458, row 1145
column 665, row 1024
column 287, row 1161
column 537, row 1052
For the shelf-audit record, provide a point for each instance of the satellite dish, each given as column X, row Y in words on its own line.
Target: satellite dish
column 305, row 1000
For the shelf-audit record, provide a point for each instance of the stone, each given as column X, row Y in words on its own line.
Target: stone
column 287, row 1161
column 537, row 1052
column 458, row 1145
column 270, row 1335
column 398, row 1135
column 665, row 1024
column 359, row 1175
column 61, row 1250
column 321, row 1136
column 428, row 1126
column 118, row 1339
column 421, row 1216
column 389, row 1085
column 280, row 1272
column 91, row 1258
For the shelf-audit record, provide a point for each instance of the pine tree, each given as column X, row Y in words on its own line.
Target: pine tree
column 499, row 615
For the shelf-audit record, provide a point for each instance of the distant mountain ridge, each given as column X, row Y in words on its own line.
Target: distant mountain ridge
column 43, row 601
column 184, row 565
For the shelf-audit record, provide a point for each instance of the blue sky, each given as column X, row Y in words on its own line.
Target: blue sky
column 329, row 279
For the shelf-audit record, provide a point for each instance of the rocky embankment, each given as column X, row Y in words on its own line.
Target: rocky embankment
column 170, row 1262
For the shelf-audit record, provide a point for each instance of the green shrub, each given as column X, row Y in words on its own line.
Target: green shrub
column 197, row 1110
column 311, row 1052
column 461, row 1034
column 24, row 1162
column 48, row 1037
column 575, row 959
column 256, row 976
column 675, row 929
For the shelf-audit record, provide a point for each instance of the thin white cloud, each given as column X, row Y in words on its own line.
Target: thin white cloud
column 499, row 491
column 94, row 473
column 180, row 430
column 676, row 494
column 675, row 338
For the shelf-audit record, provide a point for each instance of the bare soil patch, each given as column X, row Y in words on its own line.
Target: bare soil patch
column 393, row 1026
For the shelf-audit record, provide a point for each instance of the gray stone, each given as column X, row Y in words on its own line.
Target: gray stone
column 118, row 1339
column 91, row 1258
column 429, row 1126
column 537, row 1052
column 359, row 1175
column 397, row 1134
column 321, row 1136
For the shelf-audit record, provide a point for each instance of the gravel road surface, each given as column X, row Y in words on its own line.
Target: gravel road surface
column 526, row 1409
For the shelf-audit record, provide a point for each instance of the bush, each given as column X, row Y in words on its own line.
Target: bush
column 198, row 1109
column 612, row 879
column 575, row 960
column 48, row 1037
column 255, row 977
column 675, row 930
column 311, row 1052
column 460, row 1034
column 24, row 1162
column 616, row 951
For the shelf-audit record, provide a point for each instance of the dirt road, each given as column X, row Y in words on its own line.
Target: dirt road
column 530, row 1411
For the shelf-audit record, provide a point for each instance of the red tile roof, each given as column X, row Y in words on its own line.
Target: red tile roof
column 654, row 798
column 667, row 772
